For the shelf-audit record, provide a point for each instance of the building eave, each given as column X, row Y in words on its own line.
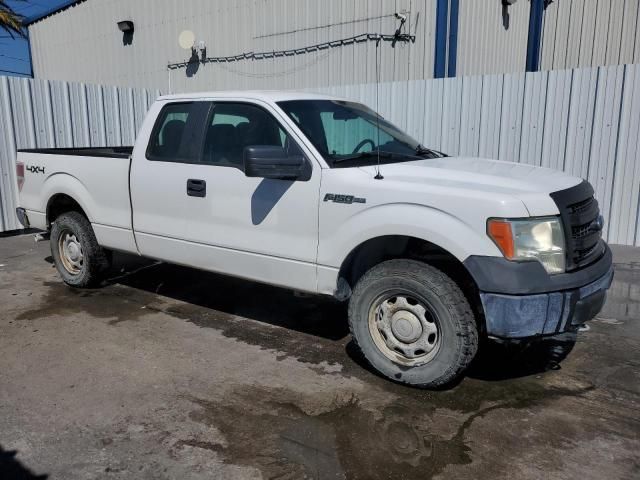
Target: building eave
column 52, row 11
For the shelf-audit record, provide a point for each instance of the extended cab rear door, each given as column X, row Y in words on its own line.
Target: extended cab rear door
column 193, row 204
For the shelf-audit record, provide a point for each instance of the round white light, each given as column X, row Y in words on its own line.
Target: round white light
column 186, row 39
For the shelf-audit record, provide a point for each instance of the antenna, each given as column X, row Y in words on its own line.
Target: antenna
column 378, row 60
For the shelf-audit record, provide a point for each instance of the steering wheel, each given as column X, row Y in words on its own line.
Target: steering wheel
column 363, row 143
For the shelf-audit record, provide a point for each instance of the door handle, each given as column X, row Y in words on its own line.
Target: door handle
column 196, row 188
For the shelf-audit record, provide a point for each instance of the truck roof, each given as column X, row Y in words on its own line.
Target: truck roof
column 265, row 95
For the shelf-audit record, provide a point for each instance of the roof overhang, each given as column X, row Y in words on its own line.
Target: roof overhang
column 52, row 11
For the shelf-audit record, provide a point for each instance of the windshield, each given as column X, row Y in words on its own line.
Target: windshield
column 346, row 133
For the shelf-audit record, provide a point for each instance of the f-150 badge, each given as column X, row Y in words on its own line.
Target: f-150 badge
column 339, row 198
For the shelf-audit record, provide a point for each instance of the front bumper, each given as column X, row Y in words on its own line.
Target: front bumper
column 521, row 299
column 520, row 316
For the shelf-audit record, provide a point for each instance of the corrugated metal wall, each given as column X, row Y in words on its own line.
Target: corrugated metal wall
column 41, row 114
column 492, row 38
column 580, row 33
column 83, row 43
column 584, row 121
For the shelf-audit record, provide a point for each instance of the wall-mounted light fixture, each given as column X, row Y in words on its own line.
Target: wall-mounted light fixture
column 506, row 18
column 125, row 26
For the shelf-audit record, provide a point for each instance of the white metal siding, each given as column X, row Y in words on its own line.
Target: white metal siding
column 492, row 38
column 83, row 43
column 43, row 114
column 582, row 33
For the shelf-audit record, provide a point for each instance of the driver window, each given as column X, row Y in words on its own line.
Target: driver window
column 234, row 126
column 351, row 135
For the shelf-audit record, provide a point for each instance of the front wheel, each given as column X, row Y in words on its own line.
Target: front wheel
column 413, row 324
column 80, row 261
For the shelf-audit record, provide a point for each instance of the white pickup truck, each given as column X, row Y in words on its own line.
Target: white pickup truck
column 322, row 195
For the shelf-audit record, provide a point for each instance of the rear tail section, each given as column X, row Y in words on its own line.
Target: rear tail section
column 20, row 175
column 30, row 177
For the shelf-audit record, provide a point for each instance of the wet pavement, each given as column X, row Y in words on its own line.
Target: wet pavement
column 168, row 372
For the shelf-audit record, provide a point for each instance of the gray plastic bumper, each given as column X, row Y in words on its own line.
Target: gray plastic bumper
column 520, row 316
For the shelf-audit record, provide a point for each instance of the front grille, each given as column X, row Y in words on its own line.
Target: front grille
column 580, row 215
column 582, row 205
column 584, row 253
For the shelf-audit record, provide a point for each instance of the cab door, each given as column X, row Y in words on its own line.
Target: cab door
column 220, row 219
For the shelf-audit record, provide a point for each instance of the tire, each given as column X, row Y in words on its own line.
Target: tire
column 82, row 263
column 387, row 323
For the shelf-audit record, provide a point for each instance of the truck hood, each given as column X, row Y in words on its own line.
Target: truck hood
column 529, row 183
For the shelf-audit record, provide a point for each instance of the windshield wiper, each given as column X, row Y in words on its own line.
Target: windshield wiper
column 420, row 150
column 362, row 155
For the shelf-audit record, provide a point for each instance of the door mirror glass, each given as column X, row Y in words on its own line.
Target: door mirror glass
column 267, row 161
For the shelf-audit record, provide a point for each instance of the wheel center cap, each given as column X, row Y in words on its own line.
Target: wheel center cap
column 73, row 251
column 405, row 326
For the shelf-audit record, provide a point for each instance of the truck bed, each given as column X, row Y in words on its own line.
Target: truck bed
column 96, row 178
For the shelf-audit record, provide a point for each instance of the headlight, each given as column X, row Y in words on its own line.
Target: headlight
column 541, row 239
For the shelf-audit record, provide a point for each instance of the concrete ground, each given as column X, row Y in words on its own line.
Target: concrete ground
column 168, row 372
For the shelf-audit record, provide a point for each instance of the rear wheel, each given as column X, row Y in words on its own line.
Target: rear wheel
column 80, row 261
column 413, row 324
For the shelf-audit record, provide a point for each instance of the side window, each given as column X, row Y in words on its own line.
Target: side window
column 234, row 126
column 177, row 134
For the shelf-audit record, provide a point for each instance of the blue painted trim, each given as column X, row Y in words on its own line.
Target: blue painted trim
column 536, row 15
column 442, row 12
column 453, row 38
column 51, row 11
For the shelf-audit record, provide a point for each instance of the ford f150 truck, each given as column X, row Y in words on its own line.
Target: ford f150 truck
column 322, row 195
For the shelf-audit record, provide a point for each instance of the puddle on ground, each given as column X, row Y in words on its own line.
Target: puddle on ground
column 623, row 298
column 62, row 300
column 285, row 435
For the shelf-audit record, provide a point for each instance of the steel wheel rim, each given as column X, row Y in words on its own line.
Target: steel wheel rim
column 70, row 251
column 405, row 329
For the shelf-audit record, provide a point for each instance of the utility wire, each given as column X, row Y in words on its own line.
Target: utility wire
column 363, row 37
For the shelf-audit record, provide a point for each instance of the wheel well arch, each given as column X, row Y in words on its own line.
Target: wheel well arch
column 61, row 203
column 388, row 247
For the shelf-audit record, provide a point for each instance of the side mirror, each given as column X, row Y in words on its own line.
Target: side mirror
column 267, row 161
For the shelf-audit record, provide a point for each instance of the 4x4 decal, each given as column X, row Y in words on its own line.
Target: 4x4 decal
column 35, row 169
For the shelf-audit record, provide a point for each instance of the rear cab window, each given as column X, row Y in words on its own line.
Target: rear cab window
column 178, row 132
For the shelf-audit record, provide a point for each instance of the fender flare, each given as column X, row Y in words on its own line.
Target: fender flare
column 405, row 219
column 400, row 219
column 69, row 185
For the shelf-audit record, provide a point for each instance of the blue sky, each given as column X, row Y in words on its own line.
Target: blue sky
column 14, row 53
